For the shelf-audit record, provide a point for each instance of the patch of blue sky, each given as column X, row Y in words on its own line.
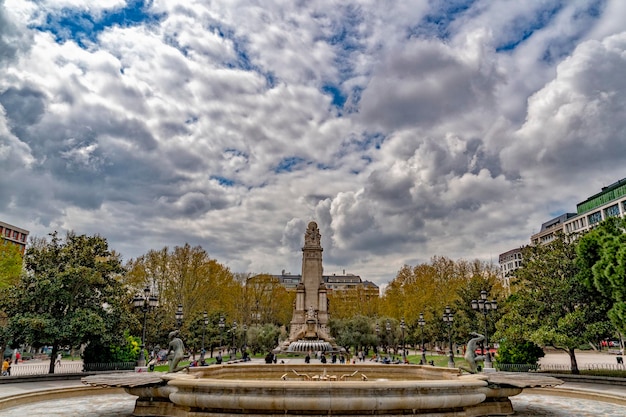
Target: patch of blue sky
column 346, row 38
column 437, row 23
column 369, row 140
column 361, row 144
column 83, row 27
column 523, row 28
column 583, row 20
column 223, row 181
column 235, row 152
column 289, row 164
column 339, row 98
column 243, row 61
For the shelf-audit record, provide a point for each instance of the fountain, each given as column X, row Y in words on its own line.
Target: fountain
column 253, row 389
column 296, row 390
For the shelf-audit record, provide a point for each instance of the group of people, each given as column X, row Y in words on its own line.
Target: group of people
column 321, row 356
column 6, row 364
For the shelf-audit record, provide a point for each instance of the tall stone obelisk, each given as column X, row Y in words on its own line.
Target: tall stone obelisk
column 310, row 314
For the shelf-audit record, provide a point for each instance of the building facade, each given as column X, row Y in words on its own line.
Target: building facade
column 549, row 229
column 333, row 283
column 609, row 202
column 14, row 234
column 509, row 261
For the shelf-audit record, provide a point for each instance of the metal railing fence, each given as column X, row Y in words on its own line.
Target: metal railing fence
column 507, row 367
column 68, row 367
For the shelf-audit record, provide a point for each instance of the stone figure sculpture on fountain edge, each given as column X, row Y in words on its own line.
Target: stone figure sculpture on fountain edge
column 176, row 352
column 470, row 352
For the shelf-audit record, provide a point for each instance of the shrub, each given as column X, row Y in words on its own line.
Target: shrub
column 100, row 353
column 519, row 353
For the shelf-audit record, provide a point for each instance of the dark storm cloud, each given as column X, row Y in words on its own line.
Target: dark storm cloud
column 23, row 106
column 426, row 82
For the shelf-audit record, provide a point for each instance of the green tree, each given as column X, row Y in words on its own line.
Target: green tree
column 519, row 353
column 549, row 305
column 602, row 265
column 184, row 275
column 71, row 294
column 10, row 263
column 356, row 332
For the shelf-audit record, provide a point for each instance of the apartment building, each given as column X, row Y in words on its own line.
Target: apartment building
column 550, row 228
column 609, row 202
column 509, row 261
column 14, row 234
column 333, row 282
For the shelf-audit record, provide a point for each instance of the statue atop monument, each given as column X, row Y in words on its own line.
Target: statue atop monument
column 312, row 236
column 308, row 327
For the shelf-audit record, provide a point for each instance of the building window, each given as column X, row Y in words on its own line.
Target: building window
column 7, row 232
column 612, row 211
column 595, row 217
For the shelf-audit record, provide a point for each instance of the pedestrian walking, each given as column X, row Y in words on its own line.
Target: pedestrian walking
column 59, row 357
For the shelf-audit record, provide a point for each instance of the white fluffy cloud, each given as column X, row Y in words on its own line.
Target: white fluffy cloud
column 416, row 129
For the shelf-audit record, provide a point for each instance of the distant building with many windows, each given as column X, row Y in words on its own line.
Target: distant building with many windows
column 333, row 282
column 609, row 202
column 14, row 234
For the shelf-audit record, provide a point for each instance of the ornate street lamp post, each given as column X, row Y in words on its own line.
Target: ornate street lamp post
column 145, row 303
column 221, row 325
column 245, row 337
column 233, row 342
column 179, row 315
column 448, row 318
column 388, row 328
column 377, row 342
column 485, row 306
column 402, row 326
column 206, row 322
column 421, row 322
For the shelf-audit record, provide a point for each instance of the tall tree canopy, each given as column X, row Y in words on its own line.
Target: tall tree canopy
column 550, row 305
column 10, row 263
column 185, row 275
column 70, row 294
column 602, row 262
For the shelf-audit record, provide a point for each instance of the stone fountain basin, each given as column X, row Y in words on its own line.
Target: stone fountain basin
column 315, row 390
column 366, row 389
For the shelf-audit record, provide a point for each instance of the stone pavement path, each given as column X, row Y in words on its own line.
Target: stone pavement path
column 121, row 405
column 531, row 405
column 112, row 405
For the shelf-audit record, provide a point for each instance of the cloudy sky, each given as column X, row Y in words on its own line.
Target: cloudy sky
column 404, row 128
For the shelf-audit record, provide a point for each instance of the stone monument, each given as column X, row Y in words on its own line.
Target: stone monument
column 308, row 327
